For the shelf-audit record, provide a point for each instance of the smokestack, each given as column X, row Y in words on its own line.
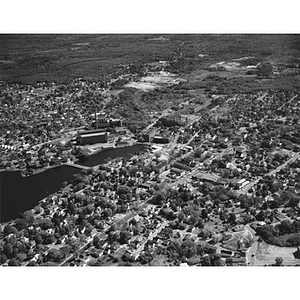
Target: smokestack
column 96, row 121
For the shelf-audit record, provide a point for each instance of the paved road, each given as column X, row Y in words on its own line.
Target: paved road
column 246, row 188
column 252, row 250
column 138, row 251
column 102, row 235
column 163, row 113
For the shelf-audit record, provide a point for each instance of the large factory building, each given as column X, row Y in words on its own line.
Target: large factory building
column 92, row 138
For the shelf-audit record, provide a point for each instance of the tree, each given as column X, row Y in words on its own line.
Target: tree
column 204, row 213
column 289, row 197
column 232, row 218
column 278, row 261
column 38, row 238
column 14, row 262
column 206, row 261
column 3, row 259
column 198, row 153
column 48, row 238
column 158, row 199
column 260, row 216
column 285, row 227
column 29, row 217
column 216, row 260
column 21, row 257
column 199, row 223
column 45, row 224
column 90, row 208
column 293, row 202
column 8, row 250
column 80, row 152
column 54, row 255
column 124, row 237
column 294, row 240
column 187, row 248
column 133, row 170
column 229, row 261
column 8, row 229
column 264, row 69
column 107, row 213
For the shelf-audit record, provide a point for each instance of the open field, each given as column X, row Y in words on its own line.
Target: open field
column 267, row 253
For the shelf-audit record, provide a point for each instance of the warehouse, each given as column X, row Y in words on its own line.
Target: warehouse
column 93, row 138
column 160, row 140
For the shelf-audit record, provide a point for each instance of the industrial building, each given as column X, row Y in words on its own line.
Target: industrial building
column 83, row 132
column 107, row 123
column 149, row 134
column 93, row 138
column 209, row 178
column 181, row 166
column 178, row 172
column 160, row 140
column 116, row 122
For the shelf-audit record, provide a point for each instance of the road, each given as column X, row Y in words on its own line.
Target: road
column 251, row 252
column 246, row 188
column 138, row 251
column 163, row 113
column 102, row 235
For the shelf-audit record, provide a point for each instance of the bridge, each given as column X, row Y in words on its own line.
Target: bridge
column 78, row 166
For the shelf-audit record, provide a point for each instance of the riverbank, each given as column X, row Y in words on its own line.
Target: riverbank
column 19, row 194
column 98, row 158
column 79, row 163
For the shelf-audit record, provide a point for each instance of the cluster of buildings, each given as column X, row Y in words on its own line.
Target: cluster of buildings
column 187, row 201
column 38, row 119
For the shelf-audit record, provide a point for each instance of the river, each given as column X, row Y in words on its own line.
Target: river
column 18, row 194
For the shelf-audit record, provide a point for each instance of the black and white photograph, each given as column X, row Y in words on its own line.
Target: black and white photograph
column 149, row 149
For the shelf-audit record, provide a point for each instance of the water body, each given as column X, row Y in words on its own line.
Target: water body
column 18, row 194
column 100, row 157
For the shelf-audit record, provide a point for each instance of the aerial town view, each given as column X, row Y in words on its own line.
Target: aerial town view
column 150, row 150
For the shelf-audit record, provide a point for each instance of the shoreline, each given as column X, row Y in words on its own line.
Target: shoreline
column 75, row 164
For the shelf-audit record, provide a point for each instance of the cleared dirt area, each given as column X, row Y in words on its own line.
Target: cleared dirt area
column 155, row 80
column 266, row 254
